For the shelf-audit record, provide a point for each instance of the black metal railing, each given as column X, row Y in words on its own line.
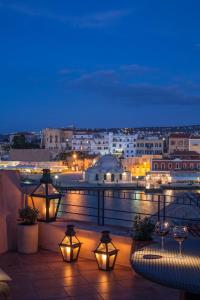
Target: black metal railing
column 95, row 206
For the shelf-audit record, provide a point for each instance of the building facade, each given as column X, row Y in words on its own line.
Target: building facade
column 178, row 142
column 194, row 144
column 58, row 139
column 108, row 169
column 176, row 164
column 123, row 144
column 149, row 146
column 103, row 143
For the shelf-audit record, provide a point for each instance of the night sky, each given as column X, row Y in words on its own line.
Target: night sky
column 99, row 63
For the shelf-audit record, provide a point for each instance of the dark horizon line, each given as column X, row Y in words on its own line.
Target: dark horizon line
column 106, row 128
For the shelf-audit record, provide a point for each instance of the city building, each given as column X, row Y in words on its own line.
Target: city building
column 176, row 164
column 82, row 142
column 149, row 145
column 58, row 139
column 4, row 150
column 30, row 155
column 122, row 145
column 138, row 165
column 178, row 142
column 119, row 144
column 107, row 169
column 184, row 170
column 194, row 143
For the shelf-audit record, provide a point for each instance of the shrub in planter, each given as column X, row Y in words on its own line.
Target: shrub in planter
column 142, row 232
column 27, row 235
column 28, row 215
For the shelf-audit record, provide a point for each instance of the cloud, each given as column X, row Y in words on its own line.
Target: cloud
column 109, row 86
column 100, row 19
column 135, row 68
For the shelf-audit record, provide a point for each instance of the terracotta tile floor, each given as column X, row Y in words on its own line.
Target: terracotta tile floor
column 46, row 276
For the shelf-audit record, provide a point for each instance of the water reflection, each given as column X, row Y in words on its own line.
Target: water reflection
column 121, row 205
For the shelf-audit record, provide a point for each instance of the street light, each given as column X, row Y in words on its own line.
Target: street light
column 137, row 180
column 106, row 253
column 70, row 245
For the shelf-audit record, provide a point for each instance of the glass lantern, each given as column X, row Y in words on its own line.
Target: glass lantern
column 70, row 245
column 46, row 198
column 106, row 253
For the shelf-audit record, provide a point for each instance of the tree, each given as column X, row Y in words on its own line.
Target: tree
column 19, row 141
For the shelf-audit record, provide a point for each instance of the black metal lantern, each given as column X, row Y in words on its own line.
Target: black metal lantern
column 46, row 198
column 70, row 245
column 106, row 253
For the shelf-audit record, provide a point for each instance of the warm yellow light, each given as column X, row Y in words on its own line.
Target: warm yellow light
column 66, row 252
column 74, row 156
column 104, row 256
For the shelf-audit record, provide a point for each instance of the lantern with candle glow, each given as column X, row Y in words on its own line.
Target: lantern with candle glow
column 106, row 253
column 46, row 198
column 70, row 245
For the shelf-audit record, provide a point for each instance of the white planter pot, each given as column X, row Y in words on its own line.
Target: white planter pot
column 27, row 238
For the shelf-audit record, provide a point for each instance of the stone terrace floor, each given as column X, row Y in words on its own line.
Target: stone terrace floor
column 45, row 276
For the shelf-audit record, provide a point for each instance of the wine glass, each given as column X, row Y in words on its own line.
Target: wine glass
column 162, row 229
column 180, row 234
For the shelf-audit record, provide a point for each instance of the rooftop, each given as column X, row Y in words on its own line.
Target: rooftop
column 179, row 135
column 44, row 276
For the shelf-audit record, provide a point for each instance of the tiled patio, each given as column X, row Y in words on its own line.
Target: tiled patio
column 46, row 276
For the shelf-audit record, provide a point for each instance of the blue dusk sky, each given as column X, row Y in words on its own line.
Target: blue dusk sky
column 99, row 63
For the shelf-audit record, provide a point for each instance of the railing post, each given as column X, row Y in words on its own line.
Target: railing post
column 98, row 197
column 164, row 207
column 158, row 208
column 102, row 220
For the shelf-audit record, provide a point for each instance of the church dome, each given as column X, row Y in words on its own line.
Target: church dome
column 107, row 169
column 108, row 163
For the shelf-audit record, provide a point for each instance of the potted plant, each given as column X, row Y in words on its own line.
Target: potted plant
column 27, row 235
column 142, row 232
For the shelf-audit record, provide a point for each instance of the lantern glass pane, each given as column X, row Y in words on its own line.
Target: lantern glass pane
column 52, row 207
column 66, row 252
column 75, row 252
column 41, row 190
column 112, row 260
column 102, row 260
column 73, row 241
column 40, row 204
column 103, row 247
column 52, row 190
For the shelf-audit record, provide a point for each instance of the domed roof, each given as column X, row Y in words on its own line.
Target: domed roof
column 107, row 163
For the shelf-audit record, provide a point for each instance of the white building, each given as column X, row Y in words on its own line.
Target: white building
column 107, row 169
column 122, row 144
column 82, row 142
column 100, row 143
column 104, row 143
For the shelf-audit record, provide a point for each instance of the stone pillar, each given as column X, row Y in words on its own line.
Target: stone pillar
column 11, row 199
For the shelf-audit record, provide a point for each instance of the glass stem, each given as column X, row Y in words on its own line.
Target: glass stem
column 162, row 243
column 180, row 248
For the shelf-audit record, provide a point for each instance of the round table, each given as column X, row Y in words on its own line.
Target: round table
column 167, row 268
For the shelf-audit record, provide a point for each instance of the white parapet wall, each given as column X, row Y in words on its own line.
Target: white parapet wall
column 51, row 234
